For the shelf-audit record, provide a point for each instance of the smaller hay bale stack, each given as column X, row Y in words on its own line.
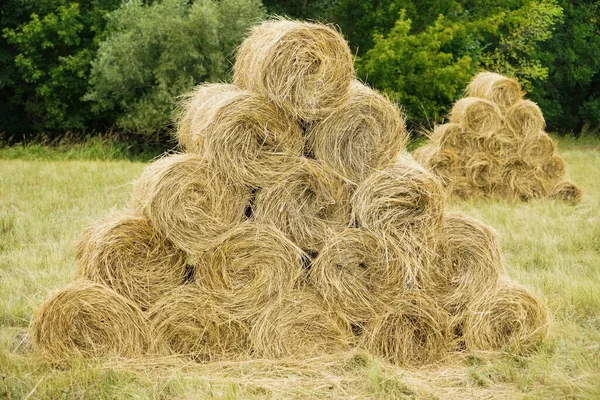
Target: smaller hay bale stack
column 500, row 146
column 364, row 135
column 90, row 320
column 304, row 68
column 185, row 200
column 123, row 252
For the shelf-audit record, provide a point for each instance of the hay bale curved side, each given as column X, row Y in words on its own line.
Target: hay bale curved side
column 299, row 325
column 190, row 322
column 478, row 116
column 524, row 118
column 240, row 134
column 496, row 88
column 304, row 68
column 537, row 148
column 89, row 319
column 363, row 135
column 186, row 201
column 125, row 253
column 251, row 265
column 308, row 204
column 568, row 191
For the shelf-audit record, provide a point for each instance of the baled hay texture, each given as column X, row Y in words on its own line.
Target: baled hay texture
column 502, row 91
column 192, row 323
column 470, row 261
column 537, row 148
column 359, row 274
column 300, row 325
column 88, row 319
column 364, row 135
column 252, row 265
column 484, row 170
column 416, row 332
column 510, row 316
column 240, row 134
column 399, row 199
column 522, row 181
column 450, row 136
column 477, row 116
column 125, row 253
column 304, row 68
column 555, row 167
column 444, row 163
column 308, row 204
column 566, row 190
column 524, row 118
column 424, row 153
column 187, row 202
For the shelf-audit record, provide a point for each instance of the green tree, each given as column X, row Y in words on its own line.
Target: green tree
column 157, row 52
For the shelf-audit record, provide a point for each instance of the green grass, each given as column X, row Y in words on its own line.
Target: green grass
column 551, row 247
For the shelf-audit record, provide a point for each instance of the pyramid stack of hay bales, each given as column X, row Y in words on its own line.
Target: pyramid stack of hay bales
column 293, row 224
column 495, row 145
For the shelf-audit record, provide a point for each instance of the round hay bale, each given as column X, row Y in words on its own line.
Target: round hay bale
column 308, row 204
column 502, row 91
column 555, row 167
column 300, row 325
column 537, row 148
column 568, row 191
column 450, row 135
column 483, row 169
column 522, row 181
column 192, row 323
column 470, row 262
column 240, row 134
column 444, row 163
column 88, row 319
column 187, row 202
column 479, row 117
column 524, row 118
column 424, row 153
column 364, row 135
column 252, row 265
column 304, row 68
column 125, row 253
column 401, row 199
column 498, row 145
column 359, row 274
column 416, row 332
column 510, row 316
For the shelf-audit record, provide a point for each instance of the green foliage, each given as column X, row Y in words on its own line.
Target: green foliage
column 157, row 52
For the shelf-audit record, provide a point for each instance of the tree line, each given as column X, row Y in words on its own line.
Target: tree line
column 85, row 66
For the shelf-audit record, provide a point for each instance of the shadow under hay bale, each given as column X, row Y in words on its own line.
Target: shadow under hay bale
column 478, row 116
column 502, row 91
column 125, row 253
column 359, row 274
column 252, row 265
column 187, row 202
column 192, row 323
column 308, row 204
column 364, row 135
column 304, row 68
column 524, row 118
column 90, row 320
column 509, row 316
column 242, row 135
column 416, row 332
column 300, row 326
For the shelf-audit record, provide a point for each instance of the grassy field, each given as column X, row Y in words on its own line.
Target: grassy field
column 551, row 247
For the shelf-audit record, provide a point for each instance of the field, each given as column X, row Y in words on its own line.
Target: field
column 551, row 247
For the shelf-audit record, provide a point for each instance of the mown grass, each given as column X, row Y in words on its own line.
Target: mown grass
column 551, row 247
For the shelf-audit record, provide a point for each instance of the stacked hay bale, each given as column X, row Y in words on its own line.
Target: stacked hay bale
column 495, row 145
column 294, row 224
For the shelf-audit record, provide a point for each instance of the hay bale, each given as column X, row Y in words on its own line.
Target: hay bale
column 252, row 265
column 483, row 169
column 449, row 135
column 416, row 332
column 187, row 202
column 300, row 325
column 240, row 134
column 304, row 68
column 125, row 253
column 522, row 181
column 192, row 323
column 424, row 153
column 401, row 199
column 537, row 148
column 88, row 319
column 359, row 274
column 502, row 91
column 444, row 163
column 510, row 316
column 554, row 168
column 470, row 262
column 308, row 204
column 364, row 135
column 524, row 118
column 568, row 191
column 479, row 117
